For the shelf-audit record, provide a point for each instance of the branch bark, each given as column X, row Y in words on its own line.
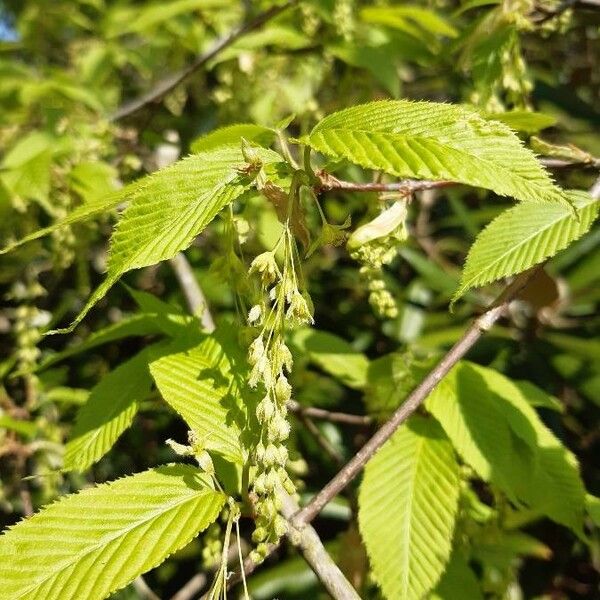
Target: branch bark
column 406, row 187
column 320, row 439
column 480, row 326
column 308, row 542
column 165, row 86
column 326, row 415
column 327, row 182
column 143, row 589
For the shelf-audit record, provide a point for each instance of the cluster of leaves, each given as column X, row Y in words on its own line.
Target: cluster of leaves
column 451, row 505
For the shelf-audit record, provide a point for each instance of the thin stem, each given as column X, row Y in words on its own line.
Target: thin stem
column 321, row 440
column 285, row 149
column 241, row 558
column 480, row 326
column 308, row 542
column 191, row 290
column 167, row 85
column 143, row 589
column 326, row 415
column 327, row 182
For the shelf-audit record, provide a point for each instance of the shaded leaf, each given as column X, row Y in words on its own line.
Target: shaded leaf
column 334, row 355
column 206, row 383
column 498, row 433
column 108, row 412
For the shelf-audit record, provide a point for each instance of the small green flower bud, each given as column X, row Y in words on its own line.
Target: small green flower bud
column 271, row 480
column 259, row 484
column 271, row 455
column 255, row 314
column 259, row 535
column 256, row 351
column 280, row 526
column 283, row 456
column 265, row 409
column 178, row 448
column 279, row 429
column 288, row 486
column 205, row 462
column 298, row 311
column 283, row 390
column 259, row 452
column 266, row 266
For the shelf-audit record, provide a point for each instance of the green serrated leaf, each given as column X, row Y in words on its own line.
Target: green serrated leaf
column 109, row 411
column 232, row 134
column 93, row 180
column 524, row 120
column 592, row 505
column 90, row 544
column 25, row 170
column 408, row 502
column 414, row 20
column 478, row 430
column 524, row 236
column 334, row 355
column 537, row 397
column 426, row 140
column 206, row 384
column 169, row 208
column 498, row 433
column 152, row 14
column 391, row 378
column 171, row 320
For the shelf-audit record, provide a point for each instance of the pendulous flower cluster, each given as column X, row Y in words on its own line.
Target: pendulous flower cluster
column 374, row 245
column 284, row 304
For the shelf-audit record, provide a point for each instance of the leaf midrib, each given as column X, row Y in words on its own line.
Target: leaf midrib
column 105, row 541
column 411, row 497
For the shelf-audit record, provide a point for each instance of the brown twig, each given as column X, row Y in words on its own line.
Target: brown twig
column 412, row 403
column 321, row 440
column 165, row 86
column 192, row 587
column 326, row 415
column 192, row 291
column 143, row 589
column 548, row 14
column 308, row 542
column 327, row 182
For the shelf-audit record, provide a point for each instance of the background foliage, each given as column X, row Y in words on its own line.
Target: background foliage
column 492, row 490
